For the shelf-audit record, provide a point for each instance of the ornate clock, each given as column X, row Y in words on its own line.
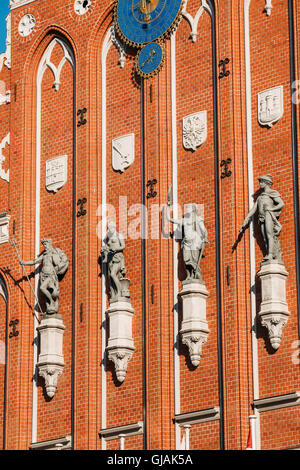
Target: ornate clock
column 140, row 22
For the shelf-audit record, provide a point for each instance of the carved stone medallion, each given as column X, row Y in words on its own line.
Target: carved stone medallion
column 56, row 173
column 194, row 132
column 26, row 25
column 270, row 106
column 82, row 6
column 123, row 152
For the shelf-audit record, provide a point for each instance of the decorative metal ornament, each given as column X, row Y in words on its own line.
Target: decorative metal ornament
column 194, row 132
column 139, row 22
column 224, row 72
column 82, row 121
column 151, row 184
column 150, row 59
column 13, row 324
column 226, row 173
column 81, row 203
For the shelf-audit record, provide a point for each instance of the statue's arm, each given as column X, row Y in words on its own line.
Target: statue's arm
column 32, row 263
column 279, row 204
column 122, row 243
column 247, row 219
column 170, row 219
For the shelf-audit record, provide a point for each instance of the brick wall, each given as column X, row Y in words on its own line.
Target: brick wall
column 79, row 395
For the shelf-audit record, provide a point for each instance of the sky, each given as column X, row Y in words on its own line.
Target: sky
column 4, row 10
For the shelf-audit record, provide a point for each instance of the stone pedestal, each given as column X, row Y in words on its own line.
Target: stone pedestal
column 274, row 311
column 194, row 329
column 120, row 345
column 51, row 359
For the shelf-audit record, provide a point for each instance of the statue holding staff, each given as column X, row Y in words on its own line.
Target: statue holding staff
column 269, row 205
column 54, row 264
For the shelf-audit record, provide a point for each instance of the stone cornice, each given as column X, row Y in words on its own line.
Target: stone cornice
column 196, row 417
column 127, row 431
column 275, row 403
column 19, row 3
column 55, row 444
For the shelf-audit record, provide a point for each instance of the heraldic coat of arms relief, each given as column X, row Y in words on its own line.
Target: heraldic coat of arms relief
column 123, row 152
column 270, row 106
column 194, row 132
column 56, row 173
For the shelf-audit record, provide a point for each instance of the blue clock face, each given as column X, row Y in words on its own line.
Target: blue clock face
column 142, row 21
column 149, row 60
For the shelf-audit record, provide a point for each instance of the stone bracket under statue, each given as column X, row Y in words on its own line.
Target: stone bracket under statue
column 273, row 275
column 120, row 347
column 194, row 328
column 54, row 264
column 51, row 359
column 274, row 311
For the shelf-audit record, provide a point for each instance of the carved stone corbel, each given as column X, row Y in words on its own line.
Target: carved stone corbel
column 194, row 329
column 194, row 343
column 120, row 357
column 51, row 375
column 120, row 347
column 275, row 324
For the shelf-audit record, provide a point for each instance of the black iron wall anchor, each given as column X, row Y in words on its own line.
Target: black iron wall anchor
column 226, row 173
column 224, row 72
column 81, row 203
column 151, row 184
column 13, row 324
column 81, row 113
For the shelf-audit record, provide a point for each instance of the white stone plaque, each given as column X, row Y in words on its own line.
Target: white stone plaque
column 56, row 173
column 4, row 227
column 123, row 152
column 194, row 131
column 27, row 24
column 270, row 106
column 4, row 174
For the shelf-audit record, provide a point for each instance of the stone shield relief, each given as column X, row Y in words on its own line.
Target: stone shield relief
column 194, row 131
column 56, row 173
column 270, row 106
column 123, row 152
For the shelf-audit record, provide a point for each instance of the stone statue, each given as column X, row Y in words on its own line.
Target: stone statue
column 268, row 205
column 112, row 255
column 54, row 264
column 194, row 239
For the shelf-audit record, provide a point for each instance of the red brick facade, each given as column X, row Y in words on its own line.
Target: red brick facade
column 160, row 382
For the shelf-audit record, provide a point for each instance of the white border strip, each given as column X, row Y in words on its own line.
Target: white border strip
column 105, row 49
column 255, row 372
column 175, row 244
column 42, row 68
